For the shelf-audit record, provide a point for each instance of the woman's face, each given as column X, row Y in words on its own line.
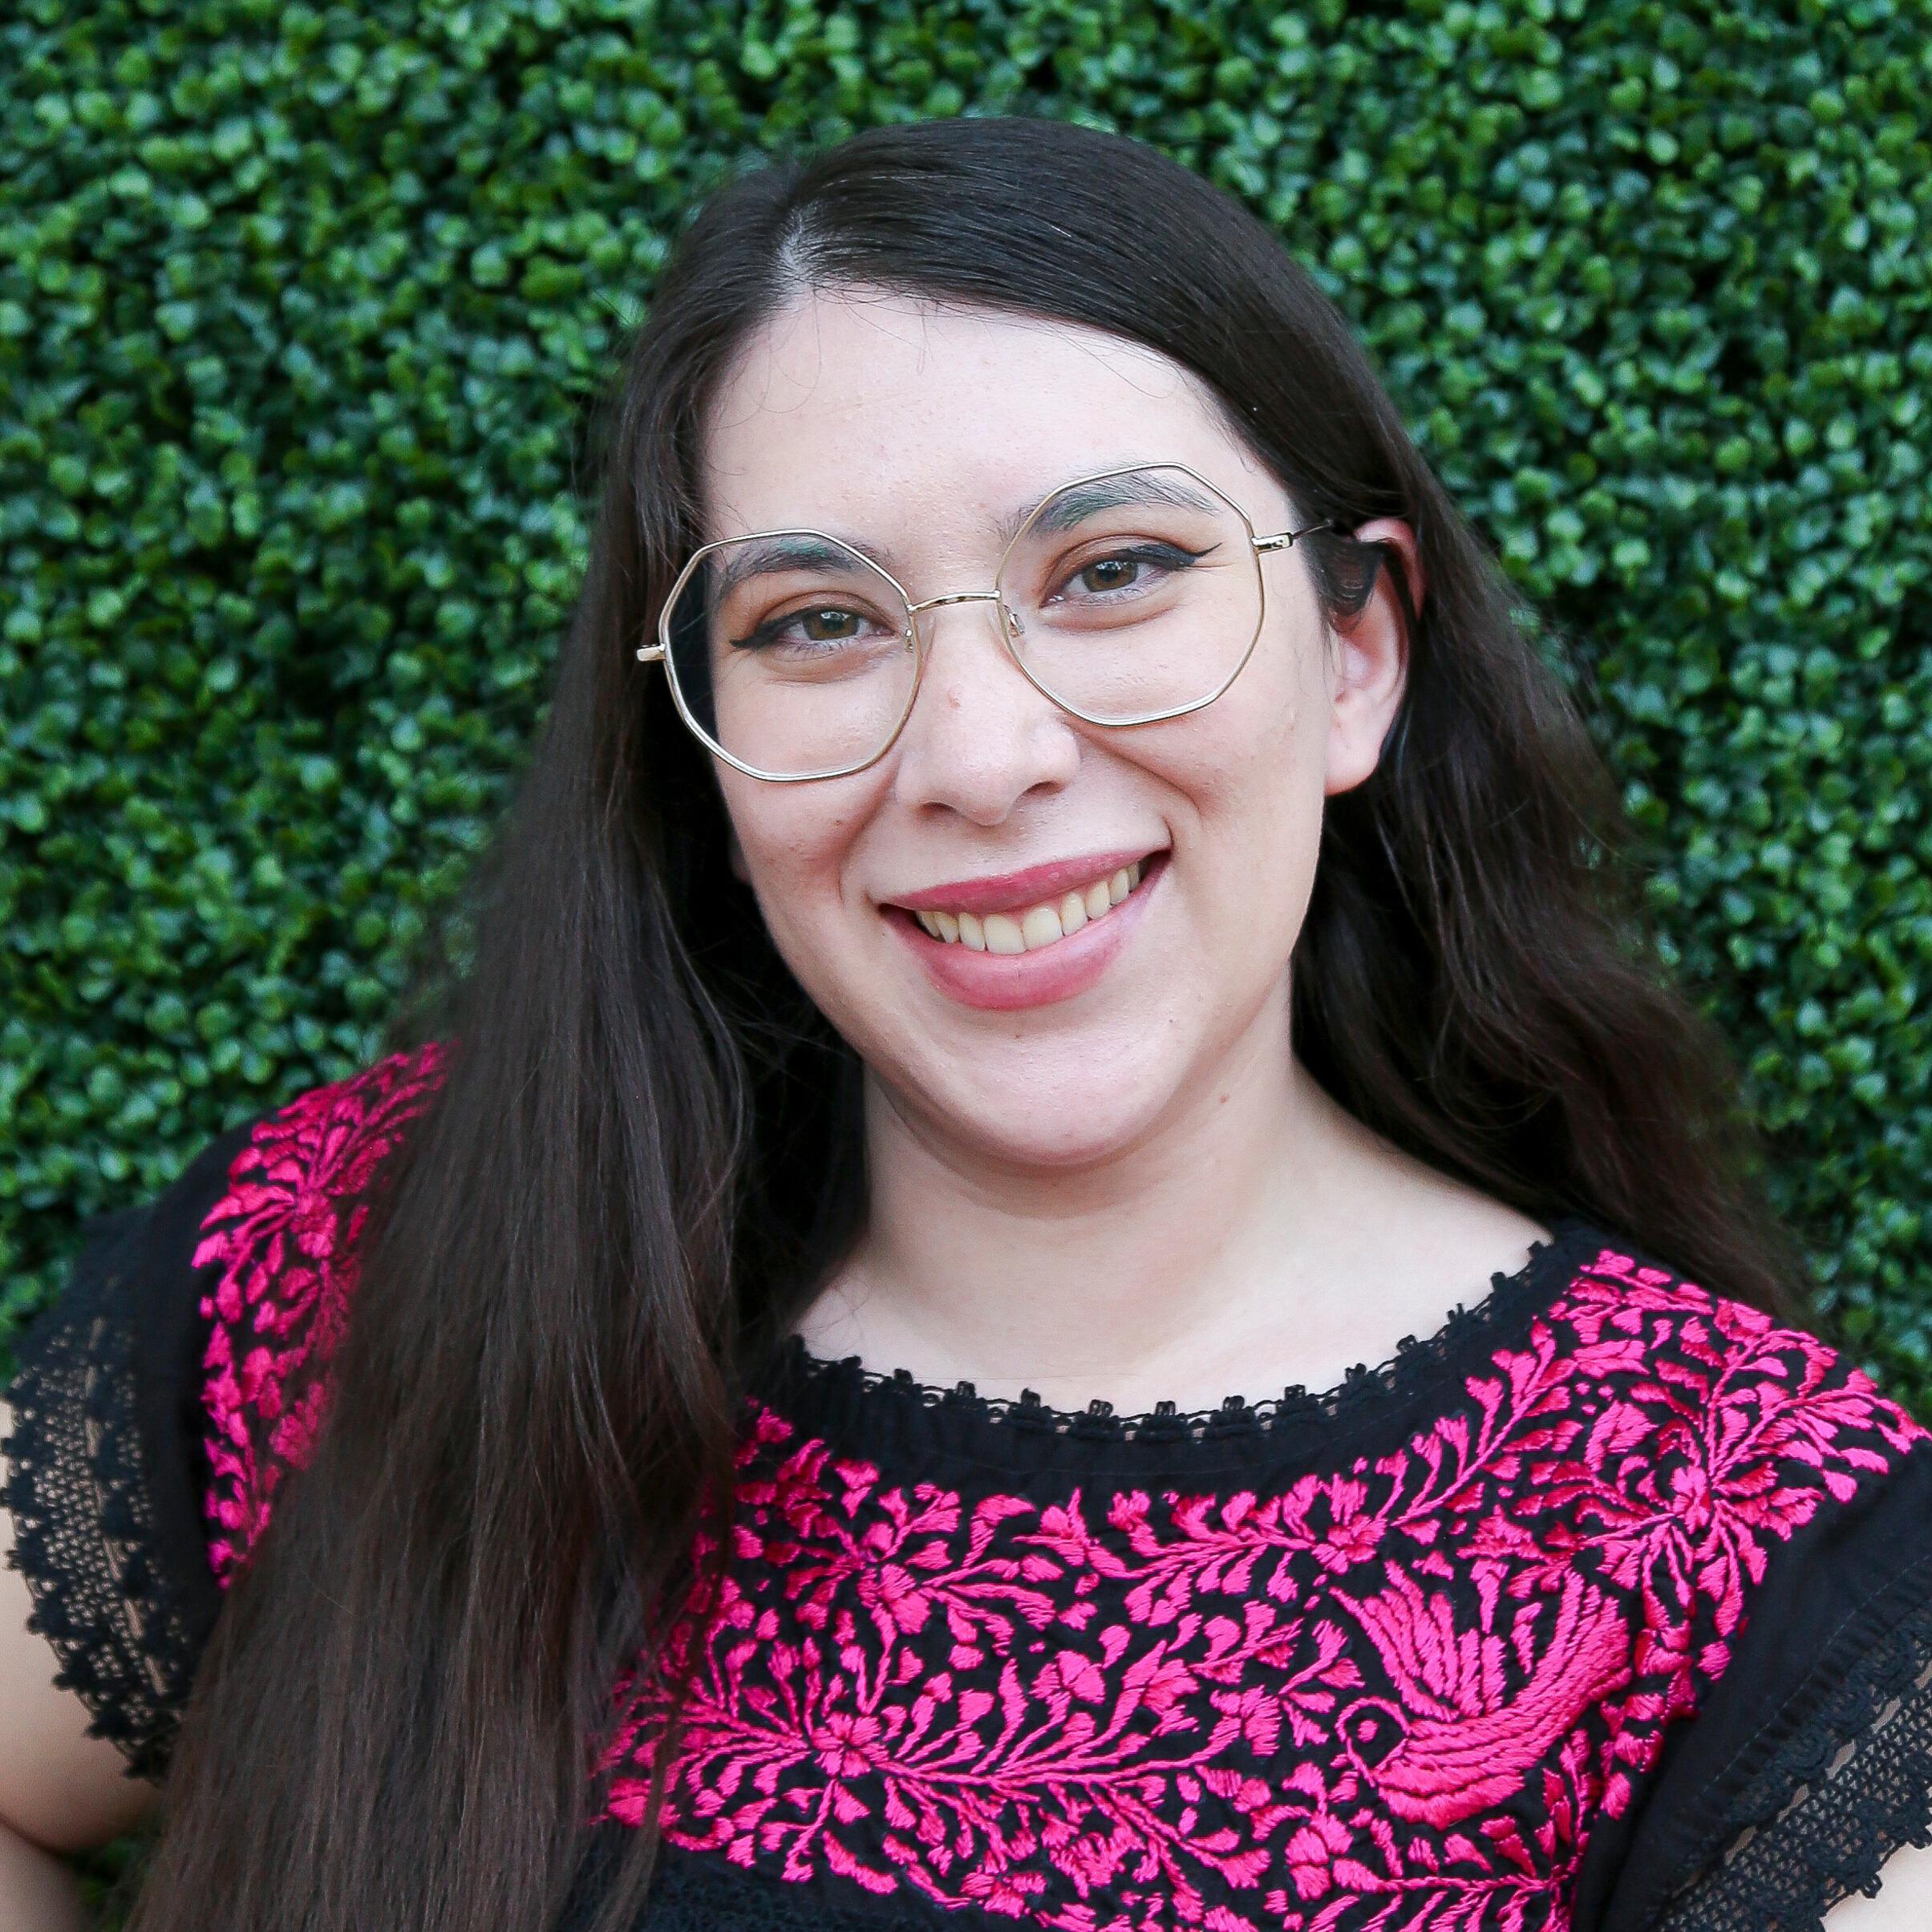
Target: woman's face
column 913, row 433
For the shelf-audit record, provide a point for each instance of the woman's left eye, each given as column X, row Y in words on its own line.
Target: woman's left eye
column 1137, row 569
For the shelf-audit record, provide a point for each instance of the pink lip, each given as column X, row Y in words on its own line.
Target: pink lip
column 1005, row 981
column 1010, row 892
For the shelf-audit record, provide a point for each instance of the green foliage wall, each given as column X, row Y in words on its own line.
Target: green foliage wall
column 300, row 308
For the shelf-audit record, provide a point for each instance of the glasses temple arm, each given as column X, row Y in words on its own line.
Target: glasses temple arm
column 1282, row 539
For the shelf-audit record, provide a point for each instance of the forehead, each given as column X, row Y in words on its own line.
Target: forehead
column 875, row 415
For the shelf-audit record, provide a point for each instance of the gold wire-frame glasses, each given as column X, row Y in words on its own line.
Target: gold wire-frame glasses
column 1010, row 627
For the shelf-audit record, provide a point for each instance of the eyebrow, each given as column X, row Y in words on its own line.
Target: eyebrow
column 798, row 551
column 777, row 552
column 1081, row 500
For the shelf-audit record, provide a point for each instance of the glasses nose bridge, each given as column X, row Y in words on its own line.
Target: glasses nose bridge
column 954, row 597
column 962, row 596
column 1007, row 628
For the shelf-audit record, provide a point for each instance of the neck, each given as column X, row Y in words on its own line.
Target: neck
column 1202, row 1261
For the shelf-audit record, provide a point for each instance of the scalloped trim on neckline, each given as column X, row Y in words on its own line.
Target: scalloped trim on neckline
column 1411, row 1362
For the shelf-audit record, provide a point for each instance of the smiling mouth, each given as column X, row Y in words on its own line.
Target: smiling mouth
column 1031, row 929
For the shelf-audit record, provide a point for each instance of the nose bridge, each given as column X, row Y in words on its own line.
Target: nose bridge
column 968, row 678
column 962, row 647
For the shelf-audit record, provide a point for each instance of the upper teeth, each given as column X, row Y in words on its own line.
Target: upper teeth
column 1038, row 925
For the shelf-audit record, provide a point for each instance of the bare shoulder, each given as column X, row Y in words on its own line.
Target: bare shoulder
column 1479, row 1234
column 1407, row 1230
column 59, row 1787
column 1442, row 1232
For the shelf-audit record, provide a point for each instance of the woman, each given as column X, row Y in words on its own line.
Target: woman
column 1048, row 870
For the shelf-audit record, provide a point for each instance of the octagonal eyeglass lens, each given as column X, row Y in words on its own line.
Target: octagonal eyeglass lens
column 791, row 652
column 1133, row 594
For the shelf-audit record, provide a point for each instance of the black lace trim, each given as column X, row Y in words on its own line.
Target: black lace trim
column 1414, row 1363
column 1826, row 1827
column 83, row 1530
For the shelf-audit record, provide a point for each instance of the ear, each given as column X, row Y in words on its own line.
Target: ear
column 1368, row 666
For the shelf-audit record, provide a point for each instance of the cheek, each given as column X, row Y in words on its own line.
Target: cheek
column 796, row 841
column 1251, row 776
column 1251, row 762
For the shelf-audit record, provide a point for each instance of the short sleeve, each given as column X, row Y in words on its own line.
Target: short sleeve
column 106, row 1469
column 1860, row 1786
column 1809, row 1761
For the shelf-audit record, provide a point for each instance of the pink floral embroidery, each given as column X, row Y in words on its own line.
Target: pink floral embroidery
column 284, row 1236
column 1395, row 1694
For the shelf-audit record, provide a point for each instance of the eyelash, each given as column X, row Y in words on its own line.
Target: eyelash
column 765, row 633
column 1161, row 554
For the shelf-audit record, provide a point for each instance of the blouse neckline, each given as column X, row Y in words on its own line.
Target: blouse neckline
column 891, row 1415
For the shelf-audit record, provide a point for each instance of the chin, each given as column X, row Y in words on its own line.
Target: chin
column 1083, row 1111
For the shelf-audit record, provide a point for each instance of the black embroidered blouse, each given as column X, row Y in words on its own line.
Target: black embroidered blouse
column 1607, row 1606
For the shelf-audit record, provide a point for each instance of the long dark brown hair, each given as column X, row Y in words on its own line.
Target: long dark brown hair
column 644, row 1153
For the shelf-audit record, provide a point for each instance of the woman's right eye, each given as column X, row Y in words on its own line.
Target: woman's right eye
column 817, row 624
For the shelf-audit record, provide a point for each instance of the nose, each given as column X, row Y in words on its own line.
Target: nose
column 981, row 736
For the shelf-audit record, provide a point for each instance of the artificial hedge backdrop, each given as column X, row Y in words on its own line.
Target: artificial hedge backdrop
column 301, row 308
